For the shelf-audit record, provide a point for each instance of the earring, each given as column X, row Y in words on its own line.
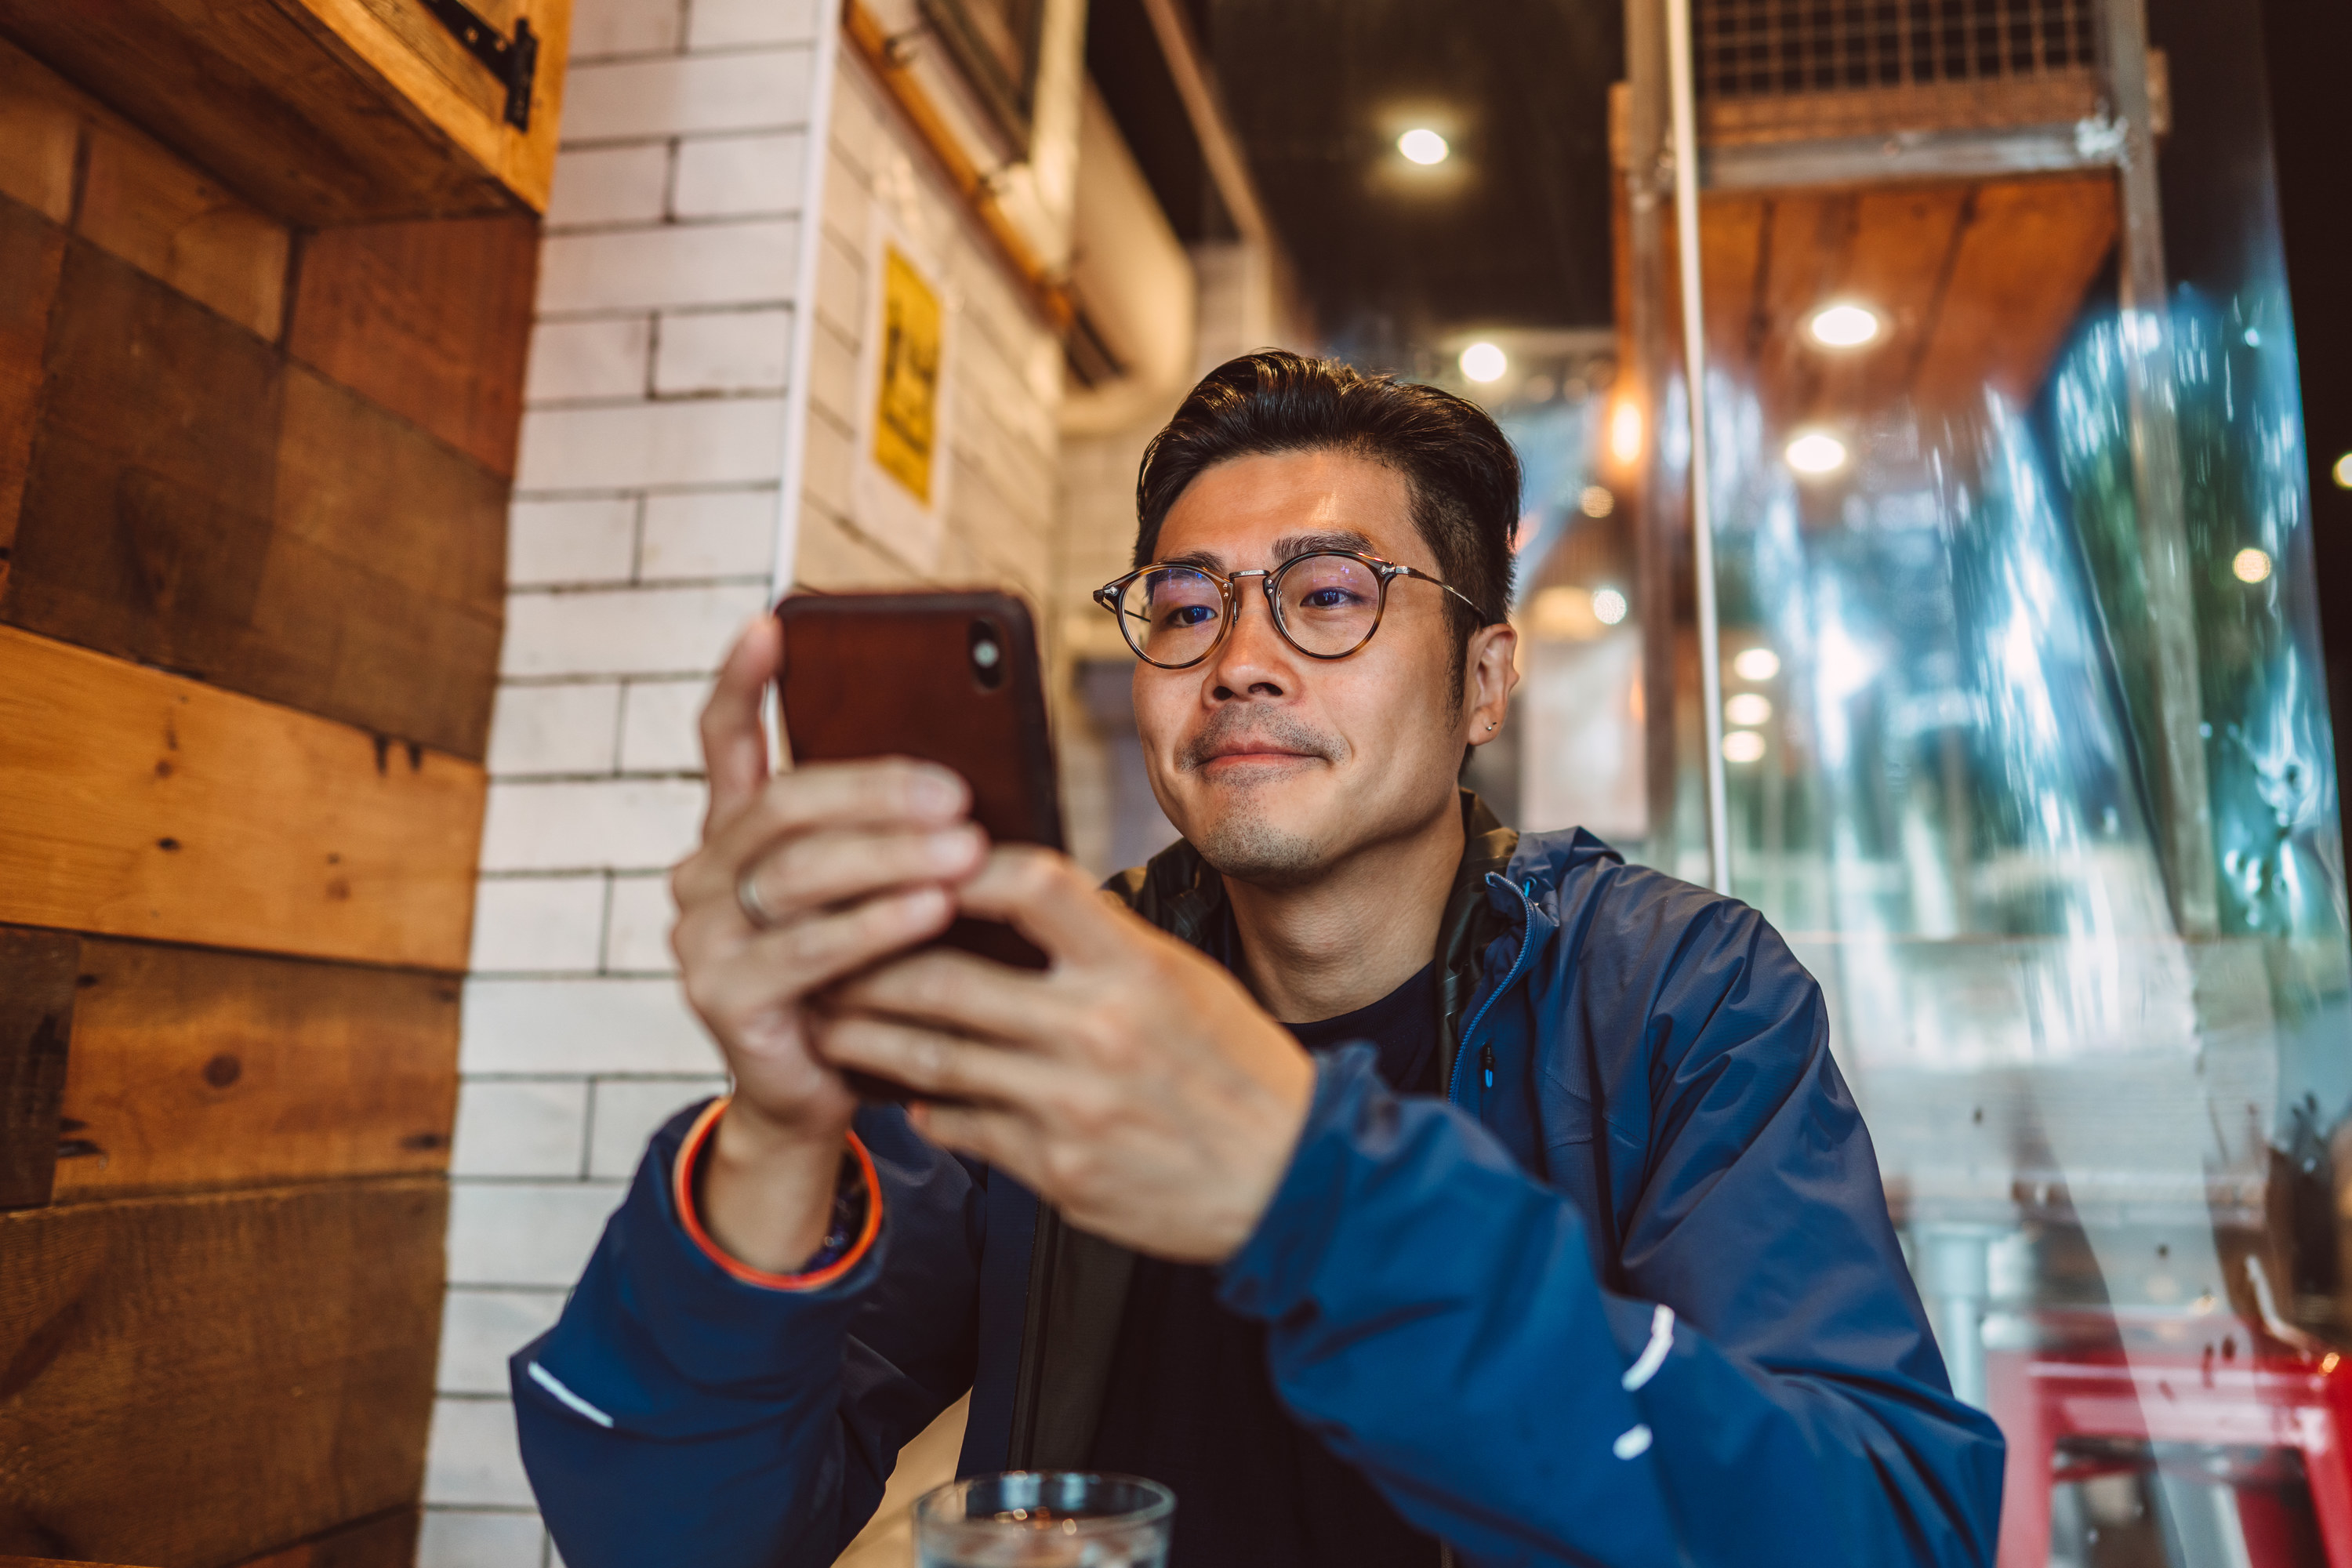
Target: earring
column 1490, row 729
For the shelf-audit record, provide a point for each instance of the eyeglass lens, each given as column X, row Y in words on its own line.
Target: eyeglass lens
column 1329, row 605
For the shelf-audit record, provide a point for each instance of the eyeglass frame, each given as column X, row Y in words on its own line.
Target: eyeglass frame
column 1110, row 593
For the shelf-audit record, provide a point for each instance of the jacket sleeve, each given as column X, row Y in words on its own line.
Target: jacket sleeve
column 677, row 1415
column 1766, row 1391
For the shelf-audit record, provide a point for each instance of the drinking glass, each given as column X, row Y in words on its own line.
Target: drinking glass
column 1044, row 1519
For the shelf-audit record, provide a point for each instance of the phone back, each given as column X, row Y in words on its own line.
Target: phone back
column 951, row 678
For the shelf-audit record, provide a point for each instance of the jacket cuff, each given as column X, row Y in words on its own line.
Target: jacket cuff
column 846, row 1244
column 1276, row 1267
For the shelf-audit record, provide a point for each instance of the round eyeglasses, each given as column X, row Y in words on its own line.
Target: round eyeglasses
column 1326, row 604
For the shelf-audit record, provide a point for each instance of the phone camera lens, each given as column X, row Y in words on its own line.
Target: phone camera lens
column 987, row 647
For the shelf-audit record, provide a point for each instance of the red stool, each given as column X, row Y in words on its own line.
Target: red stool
column 2271, row 1397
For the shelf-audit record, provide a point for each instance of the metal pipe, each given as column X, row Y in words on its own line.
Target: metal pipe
column 1682, row 94
column 2184, row 802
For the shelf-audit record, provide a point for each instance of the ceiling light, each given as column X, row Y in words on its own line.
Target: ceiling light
column 2250, row 565
column 1756, row 664
column 1484, row 361
column 1743, row 746
column 1608, row 605
column 1424, row 145
column 1817, row 452
column 2343, row 471
column 1844, row 326
column 1748, row 708
column 1625, row 437
column 1596, row 501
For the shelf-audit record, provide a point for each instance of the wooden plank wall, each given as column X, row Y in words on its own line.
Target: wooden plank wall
column 253, row 483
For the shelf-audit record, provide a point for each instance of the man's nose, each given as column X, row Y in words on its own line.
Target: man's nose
column 1253, row 660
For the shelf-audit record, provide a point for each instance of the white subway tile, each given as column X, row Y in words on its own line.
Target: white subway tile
column 627, row 631
column 539, row 924
column 841, row 287
column 525, row 1233
column 571, row 542
column 472, row 1456
column 708, row 442
column 480, row 1329
column 636, row 935
column 660, row 722
column 848, row 206
column 735, row 176
column 732, row 350
column 623, row 824
column 532, row 1128
column 858, row 127
column 623, row 28
column 746, row 263
column 629, row 1111
column 757, row 91
column 581, row 1027
column 723, row 533
column 832, row 373
column 609, row 185
column 730, row 24
column 828, row 462
column 468, row 1538
column 555, row 729
column 588, row 359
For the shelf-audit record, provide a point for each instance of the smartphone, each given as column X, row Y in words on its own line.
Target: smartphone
column 951, row 678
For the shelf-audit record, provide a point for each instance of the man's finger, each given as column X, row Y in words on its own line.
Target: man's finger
column 815, row 870
column 887, row 792
column 935, row 1066
column 734, row 741
column 782, row 966
column 959, row 992
column 1051, row 901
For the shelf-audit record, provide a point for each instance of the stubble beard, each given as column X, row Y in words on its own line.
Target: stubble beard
column 1242, row 840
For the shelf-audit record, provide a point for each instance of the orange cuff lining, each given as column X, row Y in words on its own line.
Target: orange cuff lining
column 682, row 1189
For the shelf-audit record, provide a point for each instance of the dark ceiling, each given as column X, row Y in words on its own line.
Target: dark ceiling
column 1511, row 231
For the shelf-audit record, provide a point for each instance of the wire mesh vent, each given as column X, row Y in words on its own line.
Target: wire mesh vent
column 1771, row 49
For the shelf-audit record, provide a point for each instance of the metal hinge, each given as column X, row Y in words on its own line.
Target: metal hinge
column 514, row 61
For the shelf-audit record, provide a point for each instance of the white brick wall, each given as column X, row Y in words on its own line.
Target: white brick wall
column 645, row 533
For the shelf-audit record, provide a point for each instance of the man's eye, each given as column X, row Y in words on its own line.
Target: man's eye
column 1190, row 615
column 1327, row 599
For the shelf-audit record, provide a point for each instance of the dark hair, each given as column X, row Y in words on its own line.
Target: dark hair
column 1458, row 467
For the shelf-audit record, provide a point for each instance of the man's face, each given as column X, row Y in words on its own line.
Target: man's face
column 1276, row 767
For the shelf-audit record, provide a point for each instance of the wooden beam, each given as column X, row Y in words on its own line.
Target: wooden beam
column 192, row 501
column 197, row 1380
column 432, row 320
column 194, row 1068
column 37, row 1013
column 134, row 803
column 317, row 111
column 1047, row 294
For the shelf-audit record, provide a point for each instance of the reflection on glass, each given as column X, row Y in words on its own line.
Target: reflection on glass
column 1944, row 449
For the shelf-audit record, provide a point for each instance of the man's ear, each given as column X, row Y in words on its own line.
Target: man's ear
column 1490, row 668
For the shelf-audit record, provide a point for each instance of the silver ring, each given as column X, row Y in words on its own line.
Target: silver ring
column 747, row 898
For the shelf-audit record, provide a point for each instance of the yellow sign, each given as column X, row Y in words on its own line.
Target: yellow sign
column 907, row 400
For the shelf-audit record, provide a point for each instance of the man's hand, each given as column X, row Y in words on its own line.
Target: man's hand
column 850, row 862
column 1134, row 1083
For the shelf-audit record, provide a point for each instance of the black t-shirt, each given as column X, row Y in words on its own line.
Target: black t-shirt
column 1191, row 1403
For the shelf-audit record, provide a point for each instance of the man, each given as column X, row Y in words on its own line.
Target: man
column 1412, row 1188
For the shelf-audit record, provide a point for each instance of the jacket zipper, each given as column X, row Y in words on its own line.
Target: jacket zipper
column 1518, row 962
column 1445, row 1558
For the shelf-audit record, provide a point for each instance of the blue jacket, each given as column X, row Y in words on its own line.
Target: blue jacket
column 1628, row 1295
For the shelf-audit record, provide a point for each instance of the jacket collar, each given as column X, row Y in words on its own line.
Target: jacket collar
column 1078, row 1282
